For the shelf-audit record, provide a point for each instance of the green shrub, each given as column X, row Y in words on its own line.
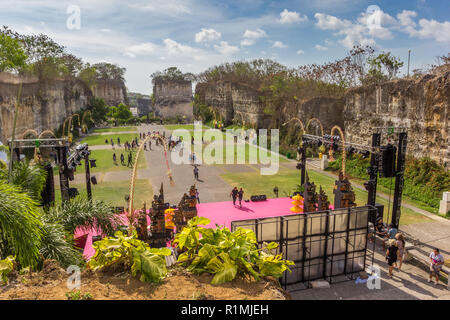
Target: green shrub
column 226, row 254
column 425, row 180
column 130, row 254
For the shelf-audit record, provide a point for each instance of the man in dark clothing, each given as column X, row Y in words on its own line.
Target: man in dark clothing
column 118, row 141
column 106, row 141
column 130, row 160
column 240, row 195
column 234, row 194
column 122, row 159
column 114, row 158
column 196, row 172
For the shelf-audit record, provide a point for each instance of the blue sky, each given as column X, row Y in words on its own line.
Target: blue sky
column 148, row 35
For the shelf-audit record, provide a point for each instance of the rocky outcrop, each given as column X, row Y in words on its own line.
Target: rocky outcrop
column 173, row 98
column 113, row 92
column 422, row 106
column 45, row 104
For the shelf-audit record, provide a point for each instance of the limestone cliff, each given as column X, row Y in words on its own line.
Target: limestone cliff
column 420, row 105
column 45, row 104
column 173, row 98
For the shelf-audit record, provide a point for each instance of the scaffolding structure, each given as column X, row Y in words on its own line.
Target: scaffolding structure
column 331, row 245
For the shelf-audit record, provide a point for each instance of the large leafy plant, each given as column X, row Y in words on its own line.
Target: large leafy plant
column 6, row 266
column 227, row 254
column 132, row 255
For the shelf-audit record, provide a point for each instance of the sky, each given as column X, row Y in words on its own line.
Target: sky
column 145, row 36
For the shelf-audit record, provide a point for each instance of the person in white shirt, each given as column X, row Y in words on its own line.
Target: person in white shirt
column 436, row 262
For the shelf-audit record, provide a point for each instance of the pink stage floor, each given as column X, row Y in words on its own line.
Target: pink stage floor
column 222, row 213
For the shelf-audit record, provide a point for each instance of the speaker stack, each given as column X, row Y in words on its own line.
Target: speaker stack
column 257, row 198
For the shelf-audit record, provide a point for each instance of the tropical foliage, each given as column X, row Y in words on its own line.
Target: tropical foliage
column 130, row 254
column 32, row 233
column 6, row 266
column 424, row 179
column 227, row 254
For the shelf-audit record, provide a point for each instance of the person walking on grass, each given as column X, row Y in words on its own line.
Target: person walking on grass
column 401, row 249
column 114, row 158
column 196, row 172
column 436, row 263
column 118, row 141
column 122, row 159
column 391, row 255
column 112, row 143
column 234, row 194
column 240, row 196
column 130, row 160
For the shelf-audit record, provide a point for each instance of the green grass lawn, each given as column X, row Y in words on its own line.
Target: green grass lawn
column 172, row 127
column 115, row 192
column 116, row 129
column 287, row 180
column 241, row 151
column 99, row 140
column 104, row 161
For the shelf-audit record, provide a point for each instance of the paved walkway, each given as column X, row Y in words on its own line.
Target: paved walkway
column 211, row 186
column 408, row 284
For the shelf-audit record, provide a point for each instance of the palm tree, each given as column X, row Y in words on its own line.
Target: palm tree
column 20, row 225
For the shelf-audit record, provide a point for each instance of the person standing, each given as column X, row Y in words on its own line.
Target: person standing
column 196, row 172
column 391, row 255
column 112, row 143
column 118, row 141
column 401, row 249
column 436, row 262
column 130, row 159
column 240, row 196
column 122, row 159
column 114, row 158
column 234, row 194
column 197, row 195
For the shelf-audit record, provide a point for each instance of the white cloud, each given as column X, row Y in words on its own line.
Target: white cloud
column 250, row 36
column 140, row 49
column 300, row 52
column 288, row 17
column 428, row 29
column 354, row 33
column 248, row 42
column 176, row 49
column 207, row 35
column 226, row 49
column 279, row 44
column 254, row 34
column 320, row 48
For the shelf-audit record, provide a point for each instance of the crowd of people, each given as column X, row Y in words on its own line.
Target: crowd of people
column 395, row 252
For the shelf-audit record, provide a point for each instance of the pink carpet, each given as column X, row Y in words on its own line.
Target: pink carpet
column 222, row 213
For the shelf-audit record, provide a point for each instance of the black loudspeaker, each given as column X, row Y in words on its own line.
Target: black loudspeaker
column 73, row 192
column 386, row 165
column 48, row 193
column 374, row 215
column 257, row 198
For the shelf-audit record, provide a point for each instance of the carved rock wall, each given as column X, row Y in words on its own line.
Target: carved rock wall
column 173, row 98
column 113, row 92
column 420, row 105
column 45, row 104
